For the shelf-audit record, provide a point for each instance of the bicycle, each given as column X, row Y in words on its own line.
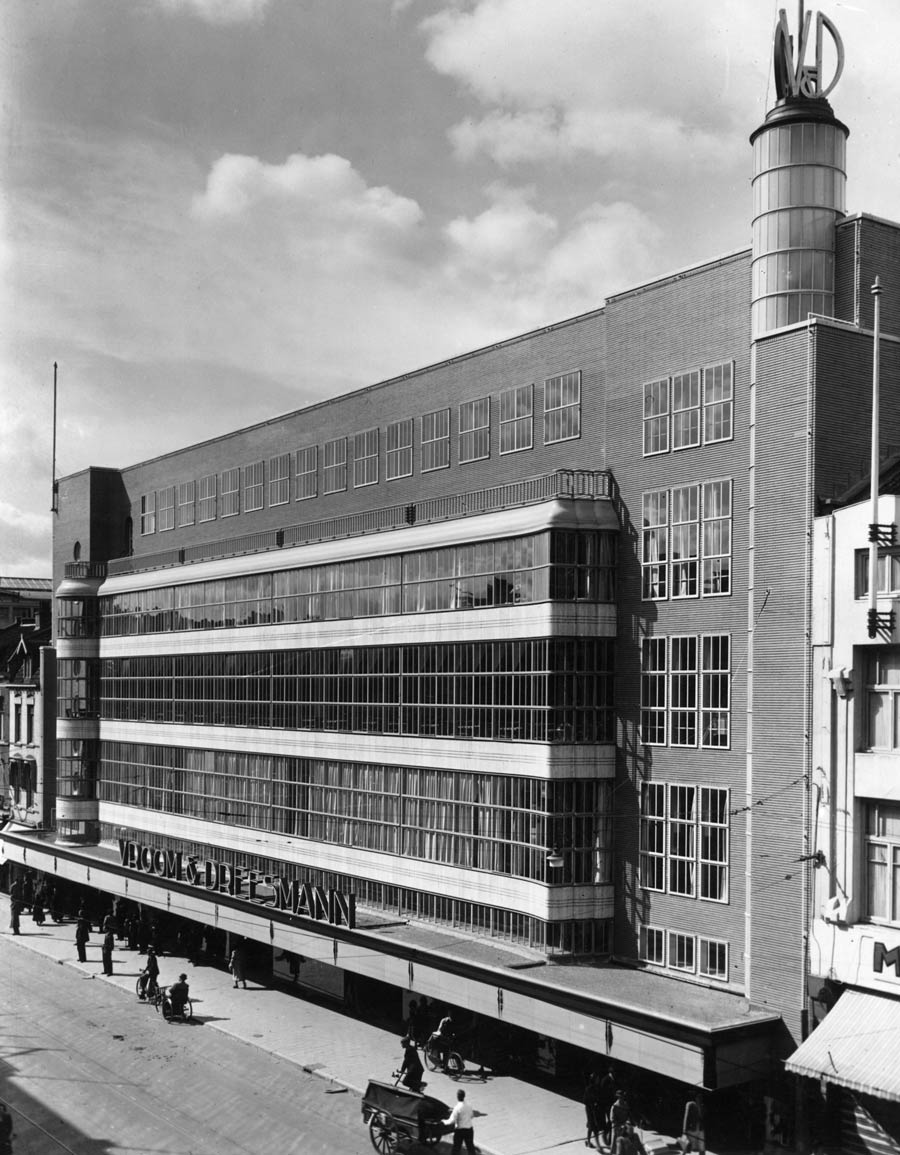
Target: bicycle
column 146, row 991
column 441, row 1057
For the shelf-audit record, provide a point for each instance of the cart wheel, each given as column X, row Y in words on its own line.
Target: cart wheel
column 382, row 1133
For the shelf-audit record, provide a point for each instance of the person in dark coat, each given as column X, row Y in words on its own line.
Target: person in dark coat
column 109, row 945
column 82, row 934
column 412, row 1070
column 237, row 964
column 149, row 980
column 593, row 1112
column 37, row 909
column 15, row 910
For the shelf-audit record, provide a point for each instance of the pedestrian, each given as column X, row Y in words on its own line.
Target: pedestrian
column 619, row 1116
column 412, row 1070
column 106, row 951
column 607, row 1094
column 594, row 1118
column 15, row 909
column 237, row 965
column 629, row 1142
column 417, row 1023
column 82, row 934
column 28, row 891
column 693, row 1127
column 461, row 1119
column 37, row 909
column 132, row 927
column 149, row 980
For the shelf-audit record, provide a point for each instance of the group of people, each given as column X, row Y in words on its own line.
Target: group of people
column 24, row 895
column 609, row 1117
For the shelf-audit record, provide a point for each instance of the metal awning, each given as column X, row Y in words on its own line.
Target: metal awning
column 855, row 1046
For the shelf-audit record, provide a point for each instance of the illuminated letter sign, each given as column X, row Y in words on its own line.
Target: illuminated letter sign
column 886, row 958
column 794, row 78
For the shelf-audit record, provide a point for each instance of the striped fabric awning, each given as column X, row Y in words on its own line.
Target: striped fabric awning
column 855, row 1046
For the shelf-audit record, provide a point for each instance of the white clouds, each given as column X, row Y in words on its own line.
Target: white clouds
column 221, row 11
column 323, row 188
column 506, row 238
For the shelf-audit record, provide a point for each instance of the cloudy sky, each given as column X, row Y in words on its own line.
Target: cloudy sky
column 217, row 211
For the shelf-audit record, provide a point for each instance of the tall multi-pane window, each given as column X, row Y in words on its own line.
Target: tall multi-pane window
column 713, row 959
column 231, row 492
column 653, row 691
column 280, row 479
column 684, row 845
column 713, row 844
column 654, row 544
column 715, row 699
column 685, row 540
column 562, row 407
column 334, row 471
column 475, row 429
column 436, row 440
column 686, row 409
column 681, row 951
column 698, row 703
column 254, row 486
column 365, row 458
column 718, row 393
column 516, row 419
column 883, row 699
column 166, row 508
column 206, row 506
column 306, row 468
column 399, row 455
column 883, row 861
column 656, row 417
column 653, row 836
column 653, row 945
column 717, row 537
column 683, row 691
column 186, row 492
column 148, row 513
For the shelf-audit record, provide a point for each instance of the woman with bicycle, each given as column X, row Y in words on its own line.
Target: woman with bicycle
column 148, row 983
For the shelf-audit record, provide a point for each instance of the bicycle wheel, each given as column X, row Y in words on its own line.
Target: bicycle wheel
column 455, row 1064
column 137, row 990
column 166, row 1009
column 188, row 1011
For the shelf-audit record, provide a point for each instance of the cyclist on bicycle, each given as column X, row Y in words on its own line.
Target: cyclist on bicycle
column 178, row 995
column 443, row 1038
column 149, row 981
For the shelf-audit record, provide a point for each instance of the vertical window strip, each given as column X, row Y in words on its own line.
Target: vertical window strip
column 686, row 409
column 365, row 458
column 685, row 540
column 717, row 523
column 718, row 392
column 562, row 407
column 683, row 690
column 715, row 691
column 682, row 840
column 656, row 417
column 516, row 419
column 475, row 430
column 280, row 479
column 186, row 503
column 334, row 473
column 653, row 836
column 148, row 513
column 653, row 691
column 654, row 546
column 399, row 457
column 713, row 843
column 254, row 486
column 166, row 509
column 231, row 492
column 207, row 503
column 436, row 440
column 306, row 468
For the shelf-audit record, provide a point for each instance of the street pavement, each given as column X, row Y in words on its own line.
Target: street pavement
column 512, row 1117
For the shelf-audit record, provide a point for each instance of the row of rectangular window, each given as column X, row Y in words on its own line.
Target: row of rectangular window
column 244, row 487
column 686, row 691
column 540, row 690
column 477, row 821
column 686, row 541
column 557, row 565
column 686, row 408
column 684, row 840
column 688, row 953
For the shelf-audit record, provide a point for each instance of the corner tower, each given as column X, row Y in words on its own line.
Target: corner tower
column 799, row 183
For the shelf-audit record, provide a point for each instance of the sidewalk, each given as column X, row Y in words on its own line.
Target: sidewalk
column 511, row 1117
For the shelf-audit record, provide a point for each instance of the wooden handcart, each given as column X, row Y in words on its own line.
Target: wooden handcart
column 396, row 1116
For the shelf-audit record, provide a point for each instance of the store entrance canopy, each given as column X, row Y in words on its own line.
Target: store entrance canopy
column 855, row 1046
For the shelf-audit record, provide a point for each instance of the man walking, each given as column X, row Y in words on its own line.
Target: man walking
column 461, row 1119
column 82, row 935
column 109, row 943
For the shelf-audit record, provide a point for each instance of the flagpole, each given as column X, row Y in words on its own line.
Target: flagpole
column 874, row 468
column 54, row 505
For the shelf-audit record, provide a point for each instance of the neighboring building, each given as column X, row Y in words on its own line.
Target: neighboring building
column 25, row 617
column 855, row 918
column 504, row 663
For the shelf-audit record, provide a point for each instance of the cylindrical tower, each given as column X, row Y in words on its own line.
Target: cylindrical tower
column 799, row 189
column 78, row 697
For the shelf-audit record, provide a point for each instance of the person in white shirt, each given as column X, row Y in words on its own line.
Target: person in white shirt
column 461, row 1118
